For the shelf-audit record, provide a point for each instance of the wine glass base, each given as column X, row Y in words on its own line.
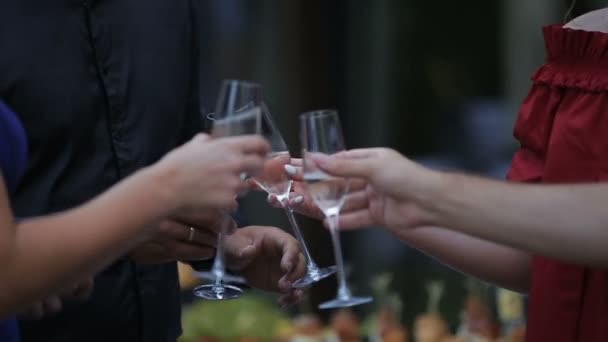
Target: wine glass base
column 227, row 278
column 314, row 277
column 218, row 292
column 345, row 303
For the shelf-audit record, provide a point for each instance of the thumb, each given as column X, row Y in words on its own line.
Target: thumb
column 344, row 166
column 201, row 137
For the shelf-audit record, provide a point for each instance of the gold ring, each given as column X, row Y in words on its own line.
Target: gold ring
column 191, row 234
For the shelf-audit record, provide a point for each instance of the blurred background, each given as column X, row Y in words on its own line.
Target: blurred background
column 439, row 81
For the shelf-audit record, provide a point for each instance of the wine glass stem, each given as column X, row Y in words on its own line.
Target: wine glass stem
column 312, row 266
column 343, row 290
column 219, row 269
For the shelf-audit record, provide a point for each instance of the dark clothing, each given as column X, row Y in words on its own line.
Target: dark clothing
column 103, row 88
column 13, row 154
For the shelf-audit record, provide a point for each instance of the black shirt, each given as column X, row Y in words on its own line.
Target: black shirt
column 103, row 87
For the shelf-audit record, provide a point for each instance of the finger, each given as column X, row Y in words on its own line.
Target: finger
column 298, row 272
column 230, row 226
column 226, row 199
column 273, row 201
column 254, row 185
column 355, row 201
column 251, row 164
column 291, row 298
column 291, row 255
column 201, row 138
column 357, row 184
column 52, row 305
column 187, row 234
column 296, row 199
column 354, row 220
column 249, row 144
column 203, row 237
column 343, row 167
column 358, row 153
column 201, row 218
column 297, row 162
column 303, row 204
column 294, row 172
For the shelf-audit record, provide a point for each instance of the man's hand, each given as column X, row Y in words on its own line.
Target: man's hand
column 54, row 304
column 185, row 239
column 268, row 258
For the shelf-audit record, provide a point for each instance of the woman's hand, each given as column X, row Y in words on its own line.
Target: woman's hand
column 386, row 189
column 206, row 173
column 299, row 199
column 395, row 188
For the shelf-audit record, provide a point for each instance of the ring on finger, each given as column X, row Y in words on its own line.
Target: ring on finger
column 191, row 234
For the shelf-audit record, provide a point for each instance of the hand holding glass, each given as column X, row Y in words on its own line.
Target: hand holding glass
column 237, row 113
column 275, row 182
column 321, row 134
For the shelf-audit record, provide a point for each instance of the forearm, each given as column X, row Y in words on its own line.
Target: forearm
column 566, row 222
column 50, row 252
column 497, row 264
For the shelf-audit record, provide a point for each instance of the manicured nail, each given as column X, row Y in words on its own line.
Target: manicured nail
column 290, row 170
column 298, row 200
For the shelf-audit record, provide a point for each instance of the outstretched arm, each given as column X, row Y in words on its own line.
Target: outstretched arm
column 42, row 255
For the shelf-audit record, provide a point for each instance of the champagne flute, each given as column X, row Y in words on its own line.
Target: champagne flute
column 274, row 181
column 210, row 275
column 321, row 135
column 237, row 113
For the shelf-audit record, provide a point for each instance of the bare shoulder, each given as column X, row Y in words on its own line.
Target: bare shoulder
column 592, row 21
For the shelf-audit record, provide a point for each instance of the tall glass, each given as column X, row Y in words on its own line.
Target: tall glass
column 321, row 135
column 238, row 112
column 275, row 182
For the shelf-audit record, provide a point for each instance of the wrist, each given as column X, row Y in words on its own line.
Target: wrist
column 433, row 193
column 161, row 178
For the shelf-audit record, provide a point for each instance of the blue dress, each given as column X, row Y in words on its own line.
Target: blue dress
column 13, row 154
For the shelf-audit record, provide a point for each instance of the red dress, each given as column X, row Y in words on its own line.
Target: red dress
column 563, row 131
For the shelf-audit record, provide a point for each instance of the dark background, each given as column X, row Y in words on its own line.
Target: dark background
column 440, row 81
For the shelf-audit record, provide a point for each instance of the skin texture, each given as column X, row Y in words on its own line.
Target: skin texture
column 52, row 254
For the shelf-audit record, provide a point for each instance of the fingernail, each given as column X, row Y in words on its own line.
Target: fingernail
column 298, row 200
column 269, row 199
column 290, row 170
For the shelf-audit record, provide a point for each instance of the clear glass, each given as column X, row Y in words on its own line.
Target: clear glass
column 321, row 134
column 238, row 112
column 275, row 182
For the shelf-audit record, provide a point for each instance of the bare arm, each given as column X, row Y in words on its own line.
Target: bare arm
column 566, row 222
column 504, row 266
column 41, row 255
column 495, row 263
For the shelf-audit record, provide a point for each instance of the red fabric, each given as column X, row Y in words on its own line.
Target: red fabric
column 563, row 132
